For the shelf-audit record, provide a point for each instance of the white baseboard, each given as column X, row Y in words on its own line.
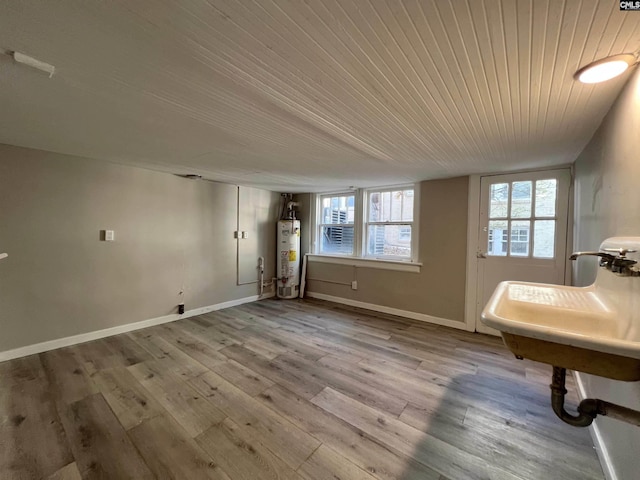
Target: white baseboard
column 596, row 436
column 390, row 310
column 129, row 327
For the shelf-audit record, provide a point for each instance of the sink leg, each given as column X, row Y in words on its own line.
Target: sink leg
column 589, row 408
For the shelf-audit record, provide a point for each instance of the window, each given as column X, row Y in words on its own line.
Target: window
column 336, row 227
column 373, row 223
column 522, row 218
column 388, row 223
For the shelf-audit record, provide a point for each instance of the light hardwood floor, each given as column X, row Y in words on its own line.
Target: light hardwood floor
column 282, row 390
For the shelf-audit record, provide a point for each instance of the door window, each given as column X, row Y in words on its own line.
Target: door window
column 522, row 219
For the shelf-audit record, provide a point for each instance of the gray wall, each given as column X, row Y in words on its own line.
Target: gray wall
column 61, row 280
column 608, row 204
column 439, row 289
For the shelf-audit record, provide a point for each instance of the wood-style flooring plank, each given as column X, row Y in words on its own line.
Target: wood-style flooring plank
column 128, row 399
column 99, row 443
column 300, row 383
column 287, row 343
column 16, row 371
column 326, row 464
column 68, row 379
column 185, row 404
column 443, row 457
column 290, row 443
column 368, row 349
column 359, row 448
column 245, row 458
column 170, row 453
column 33, row 443
column 110, row 352
column 242, row 377
column 68, row 472
column 519, row 449
column 351, row 385
column 168, row 355
column 202, row 351
column 321, row 346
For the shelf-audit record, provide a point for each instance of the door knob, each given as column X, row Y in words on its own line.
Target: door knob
column 481, row 255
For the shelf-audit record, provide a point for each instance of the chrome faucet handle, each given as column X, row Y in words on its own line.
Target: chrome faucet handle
column 618, row 264
column 606, row 256
column 620, row 251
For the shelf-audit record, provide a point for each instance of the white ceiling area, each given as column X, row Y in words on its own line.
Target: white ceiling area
column 311, row 95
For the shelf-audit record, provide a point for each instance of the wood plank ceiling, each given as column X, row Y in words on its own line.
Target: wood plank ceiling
column 306, row 96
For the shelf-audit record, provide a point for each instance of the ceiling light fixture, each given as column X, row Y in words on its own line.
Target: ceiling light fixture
column 606, row 68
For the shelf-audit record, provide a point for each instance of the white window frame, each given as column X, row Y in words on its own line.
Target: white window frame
column 359, row 257
column 319, row 226
column 366, row 223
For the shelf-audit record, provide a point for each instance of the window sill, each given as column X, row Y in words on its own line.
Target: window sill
column 360, row 262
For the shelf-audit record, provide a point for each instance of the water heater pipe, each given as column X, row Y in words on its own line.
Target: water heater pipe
column 261, row 267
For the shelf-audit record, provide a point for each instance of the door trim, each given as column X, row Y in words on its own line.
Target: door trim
column 473, row 223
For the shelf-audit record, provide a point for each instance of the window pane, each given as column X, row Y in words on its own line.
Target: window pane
column 389, row 240
column 497, row 238
column 375, row 206
column 407, row 206
column 339, row 209
column 544, row 239
column 521, row 200
column 337, row 240
column 520, row 238
column 499, row 200
column 396, row 206
column 546, row 192
column 385, row 213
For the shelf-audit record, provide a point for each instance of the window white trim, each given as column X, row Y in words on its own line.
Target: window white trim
column 362, row 262
column 360, row 235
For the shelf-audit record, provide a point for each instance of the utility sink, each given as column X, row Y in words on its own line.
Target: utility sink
column 594, row 329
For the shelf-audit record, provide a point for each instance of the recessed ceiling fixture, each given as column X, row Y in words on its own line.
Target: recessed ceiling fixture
column 606, row 68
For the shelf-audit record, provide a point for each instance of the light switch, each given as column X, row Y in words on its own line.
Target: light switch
column 245, row 234
column 109, row 235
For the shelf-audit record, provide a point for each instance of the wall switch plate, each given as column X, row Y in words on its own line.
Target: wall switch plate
column 236, row 234
column 245, row 234
column 109, row 235
column 354, row 285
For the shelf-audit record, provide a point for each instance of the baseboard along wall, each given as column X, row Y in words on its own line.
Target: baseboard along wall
column 129, row 327
column 423, row 317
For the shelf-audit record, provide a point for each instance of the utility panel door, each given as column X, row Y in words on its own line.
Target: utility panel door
column 253, row 217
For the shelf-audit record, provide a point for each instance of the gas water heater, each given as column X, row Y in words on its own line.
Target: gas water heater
column 288, row 258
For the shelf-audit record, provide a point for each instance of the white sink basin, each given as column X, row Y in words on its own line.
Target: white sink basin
column 595, row 329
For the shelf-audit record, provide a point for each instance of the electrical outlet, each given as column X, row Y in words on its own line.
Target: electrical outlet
column 354, row 285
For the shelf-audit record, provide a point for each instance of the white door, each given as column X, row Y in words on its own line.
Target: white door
column 522, row 231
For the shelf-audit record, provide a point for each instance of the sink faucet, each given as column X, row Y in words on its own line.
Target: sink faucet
column 616, row 263
column 604, row 256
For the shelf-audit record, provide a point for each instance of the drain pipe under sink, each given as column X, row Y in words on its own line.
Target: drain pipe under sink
column 589, row 408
